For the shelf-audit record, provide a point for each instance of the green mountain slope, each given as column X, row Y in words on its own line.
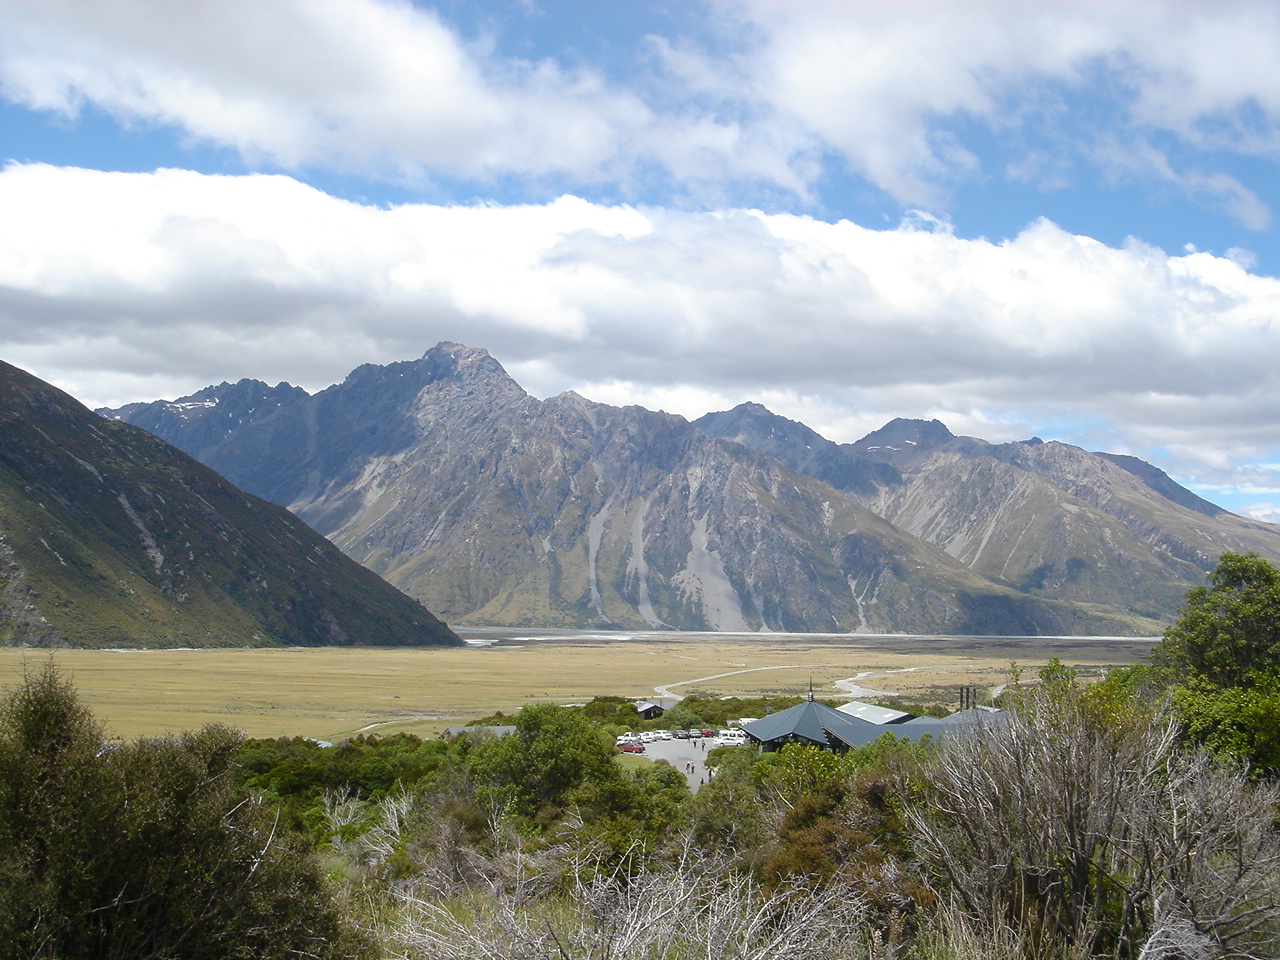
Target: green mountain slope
column 111, row 537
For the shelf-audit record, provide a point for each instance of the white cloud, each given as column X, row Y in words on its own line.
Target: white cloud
column 1270, row 512
column 1137, row 158
column 874, row 80
column 360, row 85
column 386, row 88
column 130, row 286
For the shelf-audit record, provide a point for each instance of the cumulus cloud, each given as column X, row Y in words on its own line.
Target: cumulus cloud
column 131, row 286
column 1270, row 512
column 356, row 85
column 773, row 94
column 873, row 80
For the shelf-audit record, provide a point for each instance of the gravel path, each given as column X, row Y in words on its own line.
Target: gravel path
column 665, row 691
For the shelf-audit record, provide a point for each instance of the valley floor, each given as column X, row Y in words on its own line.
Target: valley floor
column 332, row 693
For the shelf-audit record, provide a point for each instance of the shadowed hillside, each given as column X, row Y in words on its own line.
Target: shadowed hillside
column 111, row 537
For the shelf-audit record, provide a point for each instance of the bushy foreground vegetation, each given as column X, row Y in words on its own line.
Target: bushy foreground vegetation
column 1134, row 818
column 147, row 850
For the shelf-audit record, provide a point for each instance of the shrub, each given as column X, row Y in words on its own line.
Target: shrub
column 144, row 850
column 1079, row 832
column 552, row 752
column 853, row 833
column 696, row 909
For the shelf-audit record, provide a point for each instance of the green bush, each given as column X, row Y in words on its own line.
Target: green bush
column 1234, row 721
column 145, row 850
column 553, row 751
column 853, row 832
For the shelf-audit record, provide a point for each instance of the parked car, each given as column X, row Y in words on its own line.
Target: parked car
column 680, row 734
column 631, row 746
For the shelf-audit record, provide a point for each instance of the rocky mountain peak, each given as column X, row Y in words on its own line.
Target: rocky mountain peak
column 203, row 419
column 471, row 369
column 800, row 448
column 462, row 354
column 443, row 475
column 901, row 432
column 574, row 404
column 902, row 442
column 245, row 390
column 755, row 425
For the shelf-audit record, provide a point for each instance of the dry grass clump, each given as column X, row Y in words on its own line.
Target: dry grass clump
column 701, row 910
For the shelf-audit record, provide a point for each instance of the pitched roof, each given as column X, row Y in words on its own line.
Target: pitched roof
column 872, row 713
column 643, row 705
column 826, row 726
column 804, row 720
column 823, row 726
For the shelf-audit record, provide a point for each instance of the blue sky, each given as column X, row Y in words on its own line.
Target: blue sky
column 1020, row 218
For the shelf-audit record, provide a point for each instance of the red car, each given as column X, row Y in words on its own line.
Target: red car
column 632, row 748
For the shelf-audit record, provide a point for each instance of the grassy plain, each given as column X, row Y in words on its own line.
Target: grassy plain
column 333, row 693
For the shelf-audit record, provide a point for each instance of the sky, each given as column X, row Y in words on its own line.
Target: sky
column 1020, row 218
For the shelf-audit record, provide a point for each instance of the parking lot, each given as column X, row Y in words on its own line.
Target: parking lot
column 688, row 756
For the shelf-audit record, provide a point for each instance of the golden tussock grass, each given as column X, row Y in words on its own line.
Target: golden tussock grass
column 334, row 693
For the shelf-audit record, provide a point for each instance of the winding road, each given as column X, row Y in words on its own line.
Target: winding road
column 850, row 686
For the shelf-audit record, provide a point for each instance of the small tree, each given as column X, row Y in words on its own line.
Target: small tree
column 1229, row 632
column 1220, row 662
column 552, row 752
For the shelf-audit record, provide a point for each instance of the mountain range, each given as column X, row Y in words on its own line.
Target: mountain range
column 110, row 537
column 494, row 507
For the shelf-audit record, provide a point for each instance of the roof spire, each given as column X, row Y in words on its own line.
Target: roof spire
column 811, row 689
